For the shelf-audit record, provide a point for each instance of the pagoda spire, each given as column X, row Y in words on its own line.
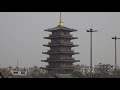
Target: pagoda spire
column 60, row 22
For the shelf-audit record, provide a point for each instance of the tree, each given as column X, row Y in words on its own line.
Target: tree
column 103, row 70
column 116, row 74
column 77, row 74
column 35, row 71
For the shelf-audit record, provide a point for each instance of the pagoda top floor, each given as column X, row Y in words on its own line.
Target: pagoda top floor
column 60, row 28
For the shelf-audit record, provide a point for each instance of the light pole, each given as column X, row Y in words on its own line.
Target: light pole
column 91, row 31
column 115, row 38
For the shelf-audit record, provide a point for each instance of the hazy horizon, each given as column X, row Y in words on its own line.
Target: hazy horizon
column 21, row 36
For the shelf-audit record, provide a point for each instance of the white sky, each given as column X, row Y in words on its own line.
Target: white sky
column 21, row 36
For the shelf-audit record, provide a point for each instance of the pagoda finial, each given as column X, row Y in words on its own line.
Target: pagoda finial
column 61, row 22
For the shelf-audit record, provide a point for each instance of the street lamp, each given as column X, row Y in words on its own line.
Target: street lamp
column 115, row 38
column 91, row 31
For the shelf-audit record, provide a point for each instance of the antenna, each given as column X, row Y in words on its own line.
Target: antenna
column 17, row 62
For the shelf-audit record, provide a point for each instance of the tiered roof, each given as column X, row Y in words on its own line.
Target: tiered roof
column 61, row 28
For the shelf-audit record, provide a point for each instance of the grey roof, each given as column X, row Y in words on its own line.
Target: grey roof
column 61, row 28
column 19, row 76
column 68, row 45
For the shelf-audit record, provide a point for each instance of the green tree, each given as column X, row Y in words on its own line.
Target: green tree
column 77, row 74
column 116, row 74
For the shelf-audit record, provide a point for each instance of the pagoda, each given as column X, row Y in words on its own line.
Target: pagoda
column 60, row 58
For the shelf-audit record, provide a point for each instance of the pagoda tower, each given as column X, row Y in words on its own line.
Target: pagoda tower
column 60, row 58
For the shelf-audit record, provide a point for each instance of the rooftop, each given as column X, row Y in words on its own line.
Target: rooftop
column 61, row 28
column 19, row 76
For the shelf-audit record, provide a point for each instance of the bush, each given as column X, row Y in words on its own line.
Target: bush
column 77, row 74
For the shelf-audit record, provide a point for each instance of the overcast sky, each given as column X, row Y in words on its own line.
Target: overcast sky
column 21, row 36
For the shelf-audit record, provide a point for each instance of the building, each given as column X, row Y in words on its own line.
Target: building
column 19, row 73
column 60, row 58
column 19, row 76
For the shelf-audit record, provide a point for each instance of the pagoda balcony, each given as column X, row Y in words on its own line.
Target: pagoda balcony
column 68, row 43
column 60, row 51
column 61, row 35
column 60, row 58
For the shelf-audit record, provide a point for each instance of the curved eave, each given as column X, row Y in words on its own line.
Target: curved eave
column 60, row 60
column 60, row 53
column 72, row 30
column 60, row 28
column 60, row 45
column 61, row 37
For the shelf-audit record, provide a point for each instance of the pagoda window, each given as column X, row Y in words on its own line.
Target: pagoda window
column 54, row 33
column 66, row 33
column 62, row 40
column 15, row 72
column 61, row 33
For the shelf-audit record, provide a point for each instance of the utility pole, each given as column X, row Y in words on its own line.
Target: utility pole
column 115, row 38
column 91, row 31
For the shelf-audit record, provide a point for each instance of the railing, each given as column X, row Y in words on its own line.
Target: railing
column 51, row 35
column 71, row 51
column 61, row 58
